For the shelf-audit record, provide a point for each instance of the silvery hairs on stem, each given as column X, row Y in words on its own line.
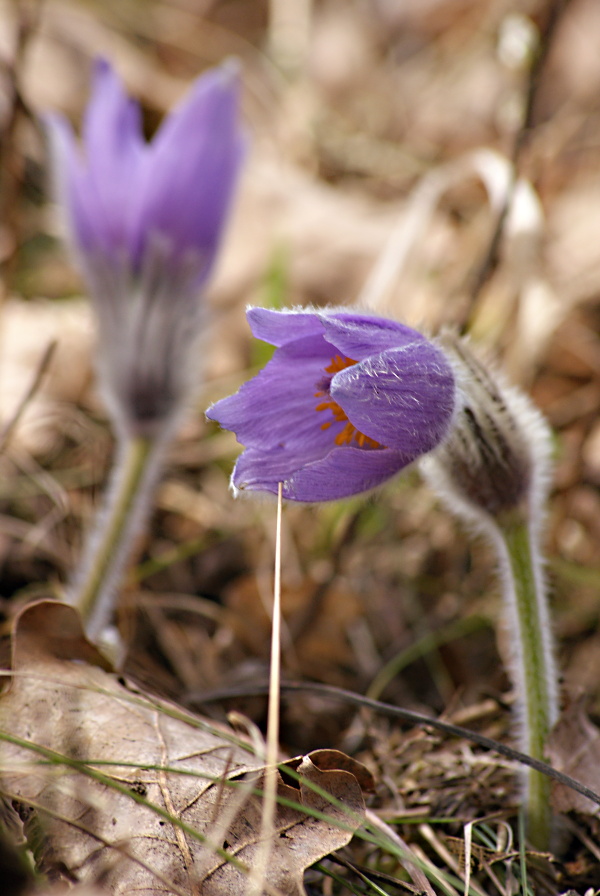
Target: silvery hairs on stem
column 493, row 471
column 496, row 459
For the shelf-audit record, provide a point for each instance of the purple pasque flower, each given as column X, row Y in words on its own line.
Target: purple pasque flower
column 346, row 401
column 145, row 222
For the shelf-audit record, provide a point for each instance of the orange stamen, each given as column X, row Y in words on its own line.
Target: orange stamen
column 338, row 363
column 349, row 433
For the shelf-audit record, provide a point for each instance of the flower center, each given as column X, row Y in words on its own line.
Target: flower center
column 349, row 433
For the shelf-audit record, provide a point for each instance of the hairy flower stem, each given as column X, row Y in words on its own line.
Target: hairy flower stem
column 110, row 544
column 532, row 660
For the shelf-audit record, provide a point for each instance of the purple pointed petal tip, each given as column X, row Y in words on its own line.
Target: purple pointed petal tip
column 112, row 118
column 104, row 75
column 103, row 67
column 347, row 401
column 226, row 77
column 212, row 99
column 193, row 167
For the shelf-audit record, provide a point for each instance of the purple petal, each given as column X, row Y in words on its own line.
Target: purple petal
column 115, row 157
column 193, row 165
column 354, row 335
column 359, row 335
column 277, row 408
column 67, row 176
column 112, row 130
column 341, row 473
column 279, row 327
column 403, row 398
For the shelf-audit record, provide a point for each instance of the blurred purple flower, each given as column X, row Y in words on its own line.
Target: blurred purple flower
column 145, row 221
column 346, row 402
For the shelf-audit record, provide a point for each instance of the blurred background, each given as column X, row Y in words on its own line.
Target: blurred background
column 433, row 160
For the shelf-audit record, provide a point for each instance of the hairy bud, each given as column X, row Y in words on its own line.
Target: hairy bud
column 495, row 460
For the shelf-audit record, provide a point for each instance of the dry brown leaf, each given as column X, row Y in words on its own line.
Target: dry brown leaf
column 574, row 748
column 27, row 329
column 61, row 697
column 79, row 890
column 67, row 38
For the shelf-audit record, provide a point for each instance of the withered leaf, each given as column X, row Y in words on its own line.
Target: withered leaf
column 574, row 748
column 149, row 799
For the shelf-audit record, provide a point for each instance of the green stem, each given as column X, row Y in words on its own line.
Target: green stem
column 533, row 662
column 110, row 544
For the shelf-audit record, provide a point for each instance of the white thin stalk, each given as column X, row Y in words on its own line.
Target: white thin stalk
column 271, row 775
